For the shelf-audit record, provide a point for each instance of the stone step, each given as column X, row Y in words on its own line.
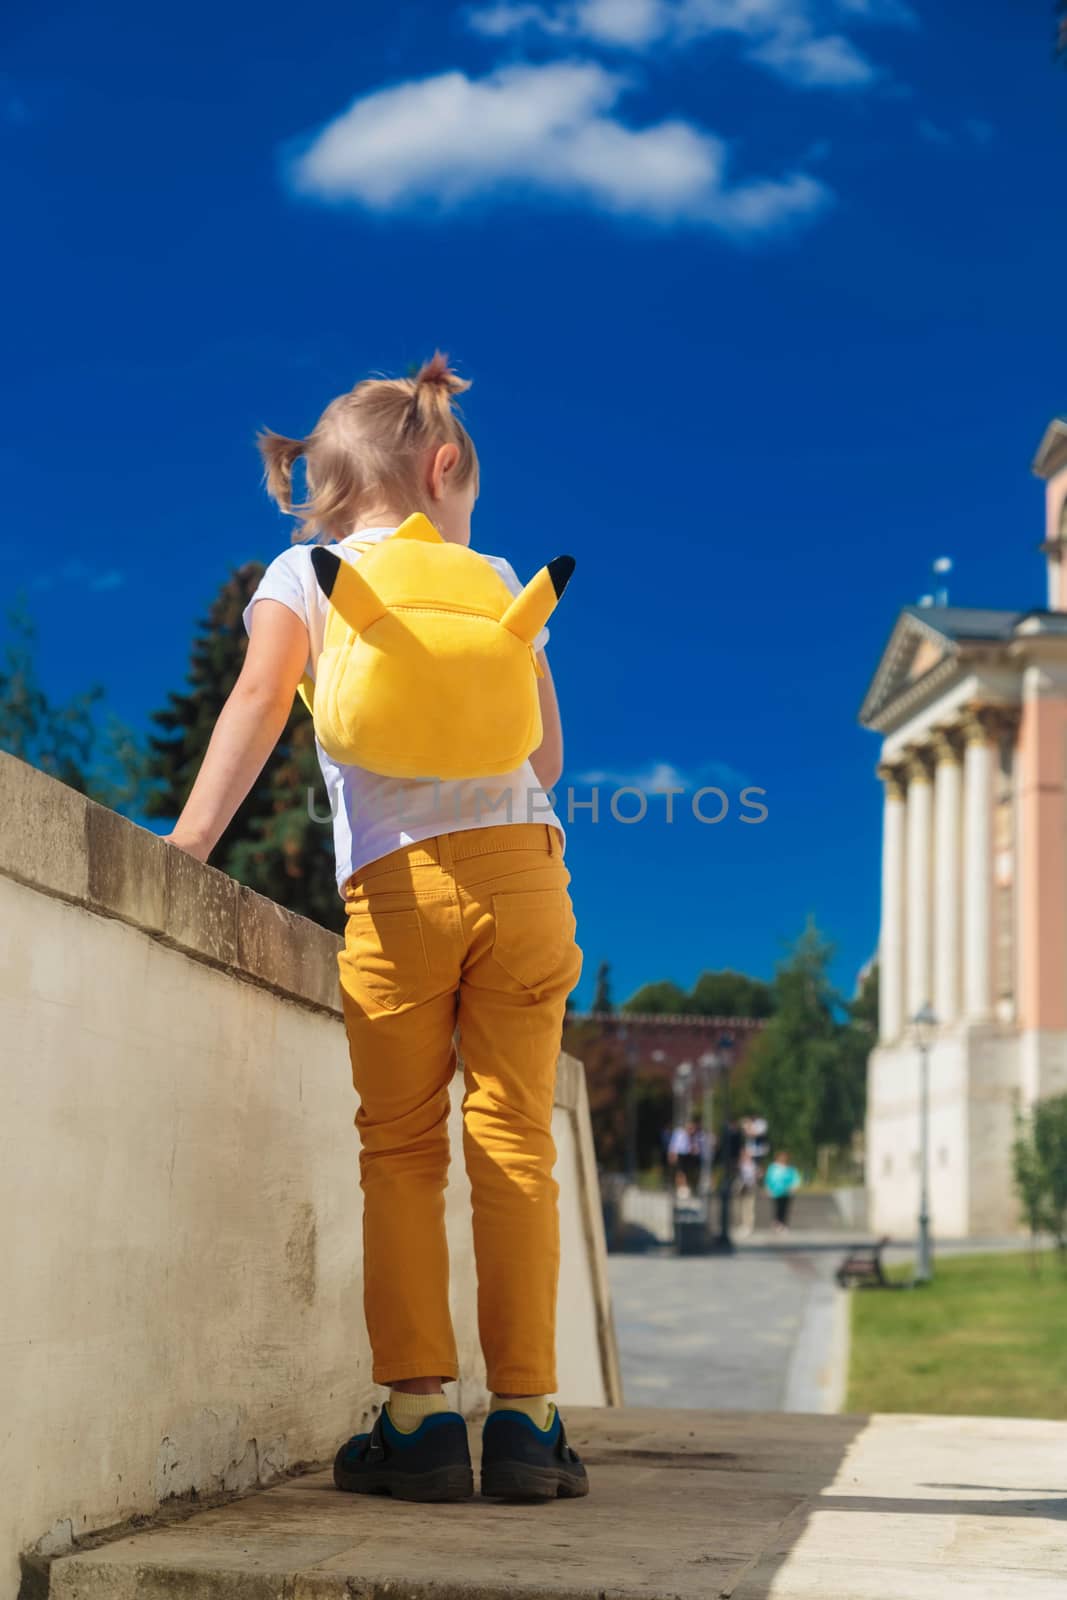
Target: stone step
column 808, row 1211
column 685, row 1504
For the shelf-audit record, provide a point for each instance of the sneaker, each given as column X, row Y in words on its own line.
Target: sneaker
column 521, row 1461
column 432, row 1463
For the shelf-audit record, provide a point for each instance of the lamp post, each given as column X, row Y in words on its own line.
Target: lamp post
column 683, row 1074
column 924, row 1022
column 707, row 1063
column 723, row 1243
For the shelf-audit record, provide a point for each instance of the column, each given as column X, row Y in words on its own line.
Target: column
column 1041, row 922
column 919, row 921
column 891, row 942
column 977, row 865
column 947, row 862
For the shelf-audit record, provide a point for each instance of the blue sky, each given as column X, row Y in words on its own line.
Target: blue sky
column 762, row 301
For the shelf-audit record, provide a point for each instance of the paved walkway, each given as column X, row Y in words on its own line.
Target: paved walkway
column 762, row 1330
column 684, row 1506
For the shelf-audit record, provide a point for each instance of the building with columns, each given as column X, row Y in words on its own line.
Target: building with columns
column 972, row 709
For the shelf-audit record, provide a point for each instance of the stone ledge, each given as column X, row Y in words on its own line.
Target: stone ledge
column 58, row 842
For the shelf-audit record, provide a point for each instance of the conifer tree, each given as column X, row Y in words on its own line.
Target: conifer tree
column 278, row 843
column 77, row 741
column 806, row 1073
column 602, row 1000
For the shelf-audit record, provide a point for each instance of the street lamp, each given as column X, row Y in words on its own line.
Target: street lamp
column 924, row 1022
column 683, row 1073
column 708, row 1064
column 721, row 1057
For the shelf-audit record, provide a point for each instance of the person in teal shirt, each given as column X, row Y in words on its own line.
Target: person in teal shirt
column 781, row 1183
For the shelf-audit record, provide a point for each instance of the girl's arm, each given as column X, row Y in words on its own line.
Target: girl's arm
column 248, row 728
column 547, row 759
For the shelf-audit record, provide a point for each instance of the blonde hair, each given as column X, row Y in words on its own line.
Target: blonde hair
column 367, row 449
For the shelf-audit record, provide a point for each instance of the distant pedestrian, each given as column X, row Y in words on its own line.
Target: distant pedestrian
column 685, row 1154
column 782, row 1182
column 746, row 1186
column 757, row 1136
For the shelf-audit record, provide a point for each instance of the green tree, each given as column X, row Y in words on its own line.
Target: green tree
column 729, row 994
column 602, row 999
column 657, row 999
column 603, row 1055
column 1040, row 1168
column 1050, row 1141
column 78, row 741
column 802, row 1074
column 280, row 841
column 857, row 1039
column 715, row 994
column 1029, row 1183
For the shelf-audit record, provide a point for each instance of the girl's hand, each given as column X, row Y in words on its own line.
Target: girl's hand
column 192, row 847
column 248, row 728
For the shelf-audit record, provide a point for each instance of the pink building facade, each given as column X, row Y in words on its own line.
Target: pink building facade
column 972, row 709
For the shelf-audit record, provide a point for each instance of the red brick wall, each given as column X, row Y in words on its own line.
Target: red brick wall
column 674, row 1038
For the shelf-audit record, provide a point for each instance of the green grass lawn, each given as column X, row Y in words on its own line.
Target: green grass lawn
column 986, row 1338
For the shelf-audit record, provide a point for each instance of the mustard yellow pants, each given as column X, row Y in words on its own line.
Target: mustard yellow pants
column 471, row 930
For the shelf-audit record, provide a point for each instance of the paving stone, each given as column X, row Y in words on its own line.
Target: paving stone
column 685, row 1505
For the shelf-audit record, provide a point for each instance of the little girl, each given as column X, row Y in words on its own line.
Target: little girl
column 458, row 919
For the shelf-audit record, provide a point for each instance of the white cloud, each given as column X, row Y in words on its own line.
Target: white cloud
column 498, row 21
column 892, row 12
column 796, row 39
column 550, row 131
column 81, row 575
column 827, row 61
column 981, row 132
column 977, row 132
column 660, row 775
column 628, row 23
column 933, row 133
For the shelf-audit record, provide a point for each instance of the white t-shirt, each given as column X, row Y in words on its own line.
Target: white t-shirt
column 373, row 815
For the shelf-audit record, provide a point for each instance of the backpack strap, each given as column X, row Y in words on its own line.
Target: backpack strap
column 306, row 687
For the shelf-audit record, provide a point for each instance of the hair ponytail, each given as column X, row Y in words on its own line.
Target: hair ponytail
column 437, row 374
column 433, row 389
column 368, row 450
column 279, row 456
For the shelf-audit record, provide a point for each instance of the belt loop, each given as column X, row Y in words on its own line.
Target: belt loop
column 553, row 840
column 444, row 851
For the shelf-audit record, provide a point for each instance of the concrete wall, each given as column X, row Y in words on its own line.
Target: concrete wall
column 976, row 1085
column 180, row 1249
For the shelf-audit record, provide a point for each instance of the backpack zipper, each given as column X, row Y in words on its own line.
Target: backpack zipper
column 446, row 611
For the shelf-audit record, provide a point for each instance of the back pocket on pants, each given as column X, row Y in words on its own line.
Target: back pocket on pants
column 534, row 935
column 385, row 957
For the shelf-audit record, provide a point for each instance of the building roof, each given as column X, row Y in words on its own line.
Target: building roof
column 910, row 671
column 967, row 622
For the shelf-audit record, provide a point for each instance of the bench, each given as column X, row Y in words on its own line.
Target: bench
column 863, row 1266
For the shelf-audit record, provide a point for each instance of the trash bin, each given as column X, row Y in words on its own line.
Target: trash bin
column 691, row 1227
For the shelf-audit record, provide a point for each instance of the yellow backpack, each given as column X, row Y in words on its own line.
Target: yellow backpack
column 427, row 667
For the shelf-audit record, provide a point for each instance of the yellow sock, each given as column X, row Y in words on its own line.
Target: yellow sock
column 406, row 1411
column 538, row 1407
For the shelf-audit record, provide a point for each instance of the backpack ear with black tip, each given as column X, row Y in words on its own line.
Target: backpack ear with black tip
column 561, row 570
column 326, row 565
column 346, row 591
column 530, row 610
